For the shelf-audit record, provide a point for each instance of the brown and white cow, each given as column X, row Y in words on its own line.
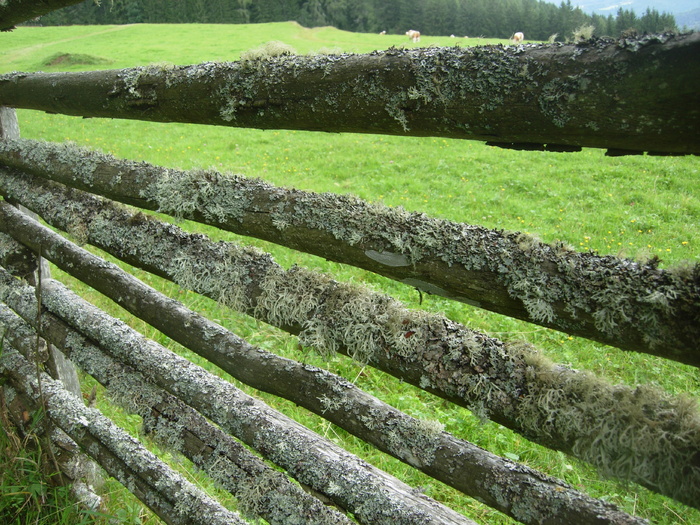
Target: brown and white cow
column 413, row 35
column 517, row 37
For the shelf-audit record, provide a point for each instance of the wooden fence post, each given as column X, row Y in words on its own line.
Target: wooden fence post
column 60, row 367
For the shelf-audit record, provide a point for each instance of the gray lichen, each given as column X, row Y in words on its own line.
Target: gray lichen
column 336, row 315
column 493, row 379
column 224, row 282
column 95, row 432
column 418, row 438
column 209, row 193
column 556, row 286
column 574, row 406
column 274, row 48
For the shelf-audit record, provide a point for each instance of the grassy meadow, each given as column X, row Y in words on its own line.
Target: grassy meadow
column 635, row 207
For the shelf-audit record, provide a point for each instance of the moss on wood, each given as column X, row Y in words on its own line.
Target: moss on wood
column 511, row 384
column 632, row 305
column 566, row 96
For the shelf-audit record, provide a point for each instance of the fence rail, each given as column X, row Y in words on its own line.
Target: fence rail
column 599, row 298
column 537, row 379
column 512, row 385
column 453, row 461
column 557, row 97
column 639, row 434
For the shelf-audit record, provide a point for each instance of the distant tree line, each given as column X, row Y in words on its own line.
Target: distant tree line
column 491, row 18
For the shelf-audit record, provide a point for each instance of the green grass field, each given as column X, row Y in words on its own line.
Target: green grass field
column 635, row 207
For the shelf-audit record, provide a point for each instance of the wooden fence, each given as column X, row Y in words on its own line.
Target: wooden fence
column 638, row 434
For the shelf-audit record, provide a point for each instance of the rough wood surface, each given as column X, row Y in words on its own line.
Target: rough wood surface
column 634, row 94
column 261, row 490
column 372, row 495
column 163, row 490
column 603, row 298
column 555, row 406
column 13, row 12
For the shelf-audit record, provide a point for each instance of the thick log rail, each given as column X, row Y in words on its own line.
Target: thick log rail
column 627, row 96
column 13, row 12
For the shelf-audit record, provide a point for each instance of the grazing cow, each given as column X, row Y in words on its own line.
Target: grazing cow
column 413, row 35
column 517, row 37
column 383, row 33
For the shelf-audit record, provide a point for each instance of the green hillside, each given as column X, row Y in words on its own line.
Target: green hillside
column 493, row 18
column 32, row 48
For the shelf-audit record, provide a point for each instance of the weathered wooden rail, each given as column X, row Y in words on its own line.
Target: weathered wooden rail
column 626, row 96
column 506, row 272
column 16, row 11
column 638, row 434
column 463, row 366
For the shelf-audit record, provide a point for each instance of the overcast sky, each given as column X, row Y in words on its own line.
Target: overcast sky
column 611, row 6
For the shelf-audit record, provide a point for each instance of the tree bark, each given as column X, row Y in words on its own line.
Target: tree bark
column 166, row 492
column 532, row 497
column 261, row 490
column 560, row 408
column 14, row 12
column 584, row 294
column 372, row 495
column 626, row 95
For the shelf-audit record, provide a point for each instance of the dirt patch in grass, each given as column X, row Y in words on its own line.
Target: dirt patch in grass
column 74, row 59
